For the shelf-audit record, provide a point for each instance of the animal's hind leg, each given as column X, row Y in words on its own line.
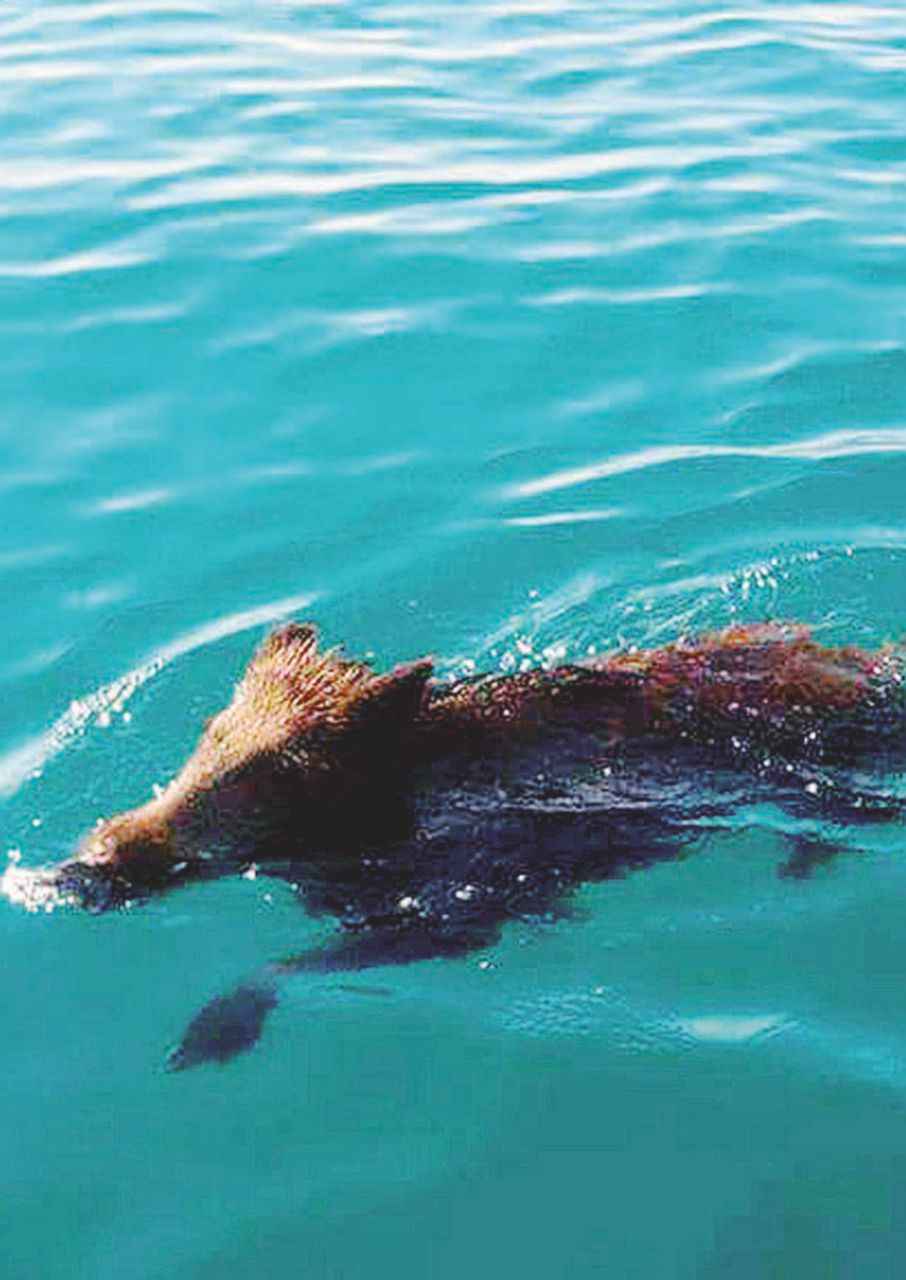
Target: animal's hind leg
column 806, row 852
column 840, row 803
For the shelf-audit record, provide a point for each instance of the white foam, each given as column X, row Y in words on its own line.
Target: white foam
column 23, row 762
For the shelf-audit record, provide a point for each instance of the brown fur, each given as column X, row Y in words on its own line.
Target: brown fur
column 310, row 735
column 423, row 816
column 291, row 740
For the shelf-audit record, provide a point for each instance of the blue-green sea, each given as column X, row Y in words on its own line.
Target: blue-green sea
column 502, row 331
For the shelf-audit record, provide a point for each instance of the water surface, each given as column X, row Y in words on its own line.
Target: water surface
column 497, row 332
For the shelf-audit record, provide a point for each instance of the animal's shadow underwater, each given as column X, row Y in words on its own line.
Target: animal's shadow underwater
column 423, row 816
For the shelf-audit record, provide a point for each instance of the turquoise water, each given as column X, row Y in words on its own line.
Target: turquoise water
column 496, row 332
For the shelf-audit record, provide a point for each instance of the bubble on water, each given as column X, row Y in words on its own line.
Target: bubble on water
column 28, row 761
column 35, row 890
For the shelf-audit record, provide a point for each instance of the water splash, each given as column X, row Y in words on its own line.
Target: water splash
column 27, row 761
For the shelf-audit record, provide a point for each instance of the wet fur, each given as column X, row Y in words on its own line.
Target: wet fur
column 422, row 815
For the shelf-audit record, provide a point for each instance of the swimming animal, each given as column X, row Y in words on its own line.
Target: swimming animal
column 422, row 814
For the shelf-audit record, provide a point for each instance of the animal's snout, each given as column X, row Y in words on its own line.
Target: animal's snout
column 92, row 886
column 72, row 883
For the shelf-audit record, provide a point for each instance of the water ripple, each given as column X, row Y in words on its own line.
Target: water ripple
column 28, row 760
column 834, row 444
column 516, row 330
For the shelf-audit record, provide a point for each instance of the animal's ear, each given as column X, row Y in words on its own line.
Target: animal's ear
column 300, row 637
column 397, row 695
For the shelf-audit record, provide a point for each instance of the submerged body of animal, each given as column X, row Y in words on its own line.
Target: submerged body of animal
column 423, row 815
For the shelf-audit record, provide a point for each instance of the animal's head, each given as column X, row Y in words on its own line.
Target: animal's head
column 139, row 843
column 306, row 728
column 306, row 736
column 118, row 859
